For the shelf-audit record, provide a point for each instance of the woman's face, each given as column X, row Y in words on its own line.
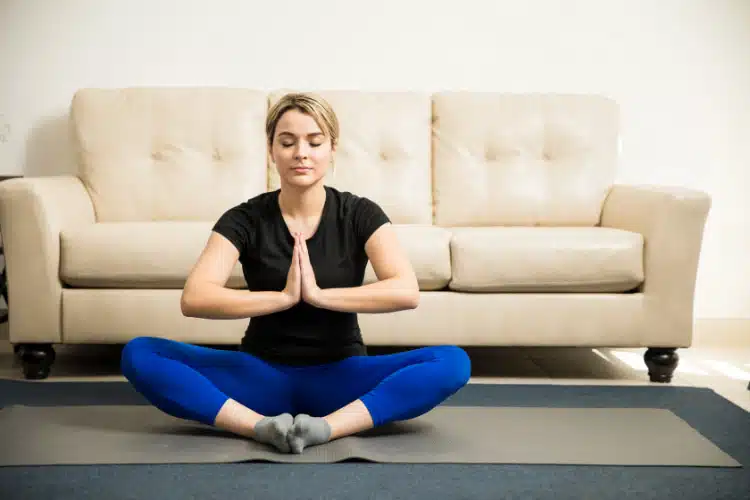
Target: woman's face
column 300, row 149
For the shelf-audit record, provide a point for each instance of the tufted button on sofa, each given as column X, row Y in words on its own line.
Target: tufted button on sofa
column 506, row 204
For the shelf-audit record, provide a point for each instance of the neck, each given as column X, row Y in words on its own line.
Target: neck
column 302, row 202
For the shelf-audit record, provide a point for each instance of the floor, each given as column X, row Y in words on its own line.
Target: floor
column 723, row 368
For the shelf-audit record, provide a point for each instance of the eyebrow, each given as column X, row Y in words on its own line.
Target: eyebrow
column 308, row 135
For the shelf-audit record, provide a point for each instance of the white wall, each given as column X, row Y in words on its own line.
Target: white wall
column 679, row 68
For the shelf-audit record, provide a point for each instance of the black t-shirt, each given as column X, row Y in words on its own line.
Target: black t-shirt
column 303, row 334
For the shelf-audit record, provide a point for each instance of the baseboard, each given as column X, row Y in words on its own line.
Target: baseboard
column 722, row 332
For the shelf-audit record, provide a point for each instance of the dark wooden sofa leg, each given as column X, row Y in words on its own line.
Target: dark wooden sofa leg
column 661, row 363
column 36, row 359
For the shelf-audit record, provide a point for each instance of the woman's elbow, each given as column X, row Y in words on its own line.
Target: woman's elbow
column 188, row 305
column 412, row 300
column 412, row 295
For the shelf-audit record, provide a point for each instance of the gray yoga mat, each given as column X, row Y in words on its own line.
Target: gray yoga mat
column 56, row 435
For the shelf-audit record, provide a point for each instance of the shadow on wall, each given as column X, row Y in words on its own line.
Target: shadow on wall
column 50, row 149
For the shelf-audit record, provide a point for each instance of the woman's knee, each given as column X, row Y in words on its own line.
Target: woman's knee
column 457, row 365
column 134, row 351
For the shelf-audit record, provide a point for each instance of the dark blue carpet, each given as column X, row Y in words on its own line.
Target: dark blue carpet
column 727, row 425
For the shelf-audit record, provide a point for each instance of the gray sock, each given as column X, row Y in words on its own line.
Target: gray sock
column 308, row 431
column 273, row 431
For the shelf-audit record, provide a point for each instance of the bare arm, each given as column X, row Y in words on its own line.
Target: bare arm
column 396, row 288
column 206, row 296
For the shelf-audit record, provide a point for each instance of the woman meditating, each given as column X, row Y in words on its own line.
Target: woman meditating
column 302, row 376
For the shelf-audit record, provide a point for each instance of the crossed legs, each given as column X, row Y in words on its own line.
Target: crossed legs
column 226, row 389
column 244, row 395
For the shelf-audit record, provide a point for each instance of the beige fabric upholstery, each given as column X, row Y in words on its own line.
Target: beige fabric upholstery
column 539, row 259
column 518, row 319
column 428, row 249
column 89, row 312
column 32, row 214
column 506, row 159
column 441, row 318
column 671, row 220
column 384, row 150
column 151, row 154
column 135, row 254
column 160, row 255
column 530, row 242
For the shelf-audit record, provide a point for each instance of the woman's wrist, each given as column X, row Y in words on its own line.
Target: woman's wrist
column 316, row 298
column 287, row 300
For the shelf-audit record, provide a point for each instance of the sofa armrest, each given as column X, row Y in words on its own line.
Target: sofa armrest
column 33, row 211
column 672, row 222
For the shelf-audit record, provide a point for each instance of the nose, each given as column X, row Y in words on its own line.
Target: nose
column 300, row 151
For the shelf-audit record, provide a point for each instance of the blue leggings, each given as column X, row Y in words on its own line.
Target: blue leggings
column 193, row 382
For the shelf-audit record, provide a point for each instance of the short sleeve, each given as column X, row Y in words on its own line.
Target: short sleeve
column 235, row 225
column 368, row 216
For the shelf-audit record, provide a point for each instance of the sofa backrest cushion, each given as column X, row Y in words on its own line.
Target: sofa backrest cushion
column 384, row 150
column 449, row 158
column 175, row 153
column 522, row 159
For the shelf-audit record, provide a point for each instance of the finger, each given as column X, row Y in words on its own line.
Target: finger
column 296, row 253
column 299, row 246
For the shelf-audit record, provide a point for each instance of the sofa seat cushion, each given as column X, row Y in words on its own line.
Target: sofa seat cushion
column 162, row 254
column 428, row 250
column 135, row 254
column 545, row 259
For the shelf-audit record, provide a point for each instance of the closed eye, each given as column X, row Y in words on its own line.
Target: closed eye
column 315, row 145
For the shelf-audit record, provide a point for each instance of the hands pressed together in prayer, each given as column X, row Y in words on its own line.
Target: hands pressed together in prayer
column 395, row 293
column 300, row 282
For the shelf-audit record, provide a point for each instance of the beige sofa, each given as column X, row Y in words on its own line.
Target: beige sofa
column 506, row 204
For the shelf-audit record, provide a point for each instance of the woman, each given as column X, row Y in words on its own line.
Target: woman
column 302, row 376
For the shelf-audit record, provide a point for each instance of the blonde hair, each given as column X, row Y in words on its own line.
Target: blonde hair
column 315, row 106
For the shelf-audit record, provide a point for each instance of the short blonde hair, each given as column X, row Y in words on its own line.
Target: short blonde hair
column 313, row 105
